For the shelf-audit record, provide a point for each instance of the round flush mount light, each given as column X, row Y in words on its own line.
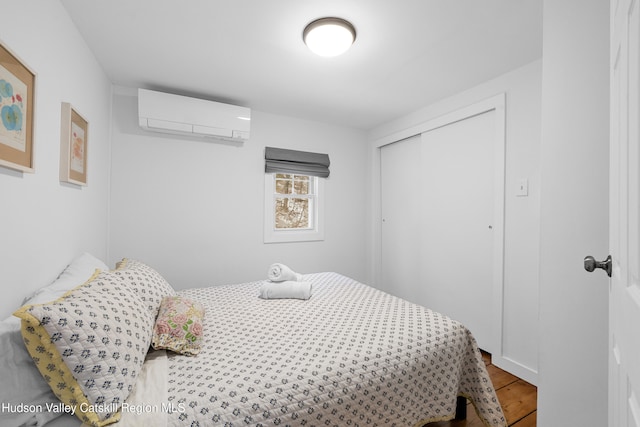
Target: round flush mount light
column 329, row 36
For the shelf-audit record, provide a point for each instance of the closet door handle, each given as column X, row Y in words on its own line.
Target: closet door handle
column 590, row 264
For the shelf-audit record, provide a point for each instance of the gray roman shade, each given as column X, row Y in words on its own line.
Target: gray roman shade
column 280, row 160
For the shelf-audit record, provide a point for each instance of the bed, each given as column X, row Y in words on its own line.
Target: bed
column 349, row 355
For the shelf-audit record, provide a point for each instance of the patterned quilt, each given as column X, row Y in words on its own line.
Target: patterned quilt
column 350, row 355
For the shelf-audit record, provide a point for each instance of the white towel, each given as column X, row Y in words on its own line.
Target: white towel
column 286, row 289
column 280, row 272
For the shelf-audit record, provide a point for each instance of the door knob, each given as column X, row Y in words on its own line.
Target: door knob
column 591, row 264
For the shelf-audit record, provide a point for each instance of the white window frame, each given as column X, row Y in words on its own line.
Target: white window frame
column 274, row 235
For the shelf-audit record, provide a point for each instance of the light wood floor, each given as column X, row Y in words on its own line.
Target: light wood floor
column 517, row 397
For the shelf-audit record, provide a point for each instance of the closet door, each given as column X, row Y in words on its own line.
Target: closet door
column 437, row 193
column 457, row 228
column 401, row 183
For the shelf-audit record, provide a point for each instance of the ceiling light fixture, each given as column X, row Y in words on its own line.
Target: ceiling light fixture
column 329, row 36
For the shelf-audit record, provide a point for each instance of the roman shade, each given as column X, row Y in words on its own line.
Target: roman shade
column 280, row 160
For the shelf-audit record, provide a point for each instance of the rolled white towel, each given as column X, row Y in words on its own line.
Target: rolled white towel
column 286, row 289
column 280, row 272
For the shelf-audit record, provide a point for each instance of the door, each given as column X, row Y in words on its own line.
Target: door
column 400, row 172
column 437, row 200
column 624, row 297
column 457, row 222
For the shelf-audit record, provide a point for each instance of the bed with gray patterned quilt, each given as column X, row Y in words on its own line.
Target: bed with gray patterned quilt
column 350, row 355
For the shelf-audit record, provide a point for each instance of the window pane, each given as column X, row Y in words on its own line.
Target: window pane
column 292, row 213
column 293, row 184
column 301, row 186
column 284, row 186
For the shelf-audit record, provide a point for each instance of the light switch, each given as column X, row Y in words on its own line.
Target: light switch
column 523, row 187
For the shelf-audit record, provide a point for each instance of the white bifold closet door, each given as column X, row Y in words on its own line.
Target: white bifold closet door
column 437, row 195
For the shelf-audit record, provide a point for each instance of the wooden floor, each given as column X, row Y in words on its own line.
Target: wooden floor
column 517, row 397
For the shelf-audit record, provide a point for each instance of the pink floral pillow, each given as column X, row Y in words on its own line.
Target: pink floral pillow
column 179, row 326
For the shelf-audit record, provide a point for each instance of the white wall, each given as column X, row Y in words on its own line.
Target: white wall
column 43, row 223
column 523, row 100
column 574, row 214
column 193, row 209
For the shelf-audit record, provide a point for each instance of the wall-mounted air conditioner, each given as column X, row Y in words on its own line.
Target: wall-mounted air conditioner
column 176, row 114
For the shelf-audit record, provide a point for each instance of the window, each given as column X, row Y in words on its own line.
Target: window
column 294, row 195
column 294, row 199
column 293, row 208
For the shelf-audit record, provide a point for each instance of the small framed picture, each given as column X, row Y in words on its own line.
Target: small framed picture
column 17, row 106
column 74, row 133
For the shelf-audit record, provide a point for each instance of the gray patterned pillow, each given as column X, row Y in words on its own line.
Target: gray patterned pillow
column 90, row 345
column 148, row 284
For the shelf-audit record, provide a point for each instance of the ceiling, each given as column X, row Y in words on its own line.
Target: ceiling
column 408, row 53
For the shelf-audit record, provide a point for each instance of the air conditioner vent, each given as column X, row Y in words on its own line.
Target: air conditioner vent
column 182, row 115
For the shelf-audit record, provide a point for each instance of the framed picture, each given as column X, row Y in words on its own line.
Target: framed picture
column 17, row 106
column 74, row 133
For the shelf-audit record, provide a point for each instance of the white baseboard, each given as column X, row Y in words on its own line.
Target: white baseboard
column 515, row 368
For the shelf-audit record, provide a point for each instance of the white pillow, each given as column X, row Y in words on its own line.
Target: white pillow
column 75, row 274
